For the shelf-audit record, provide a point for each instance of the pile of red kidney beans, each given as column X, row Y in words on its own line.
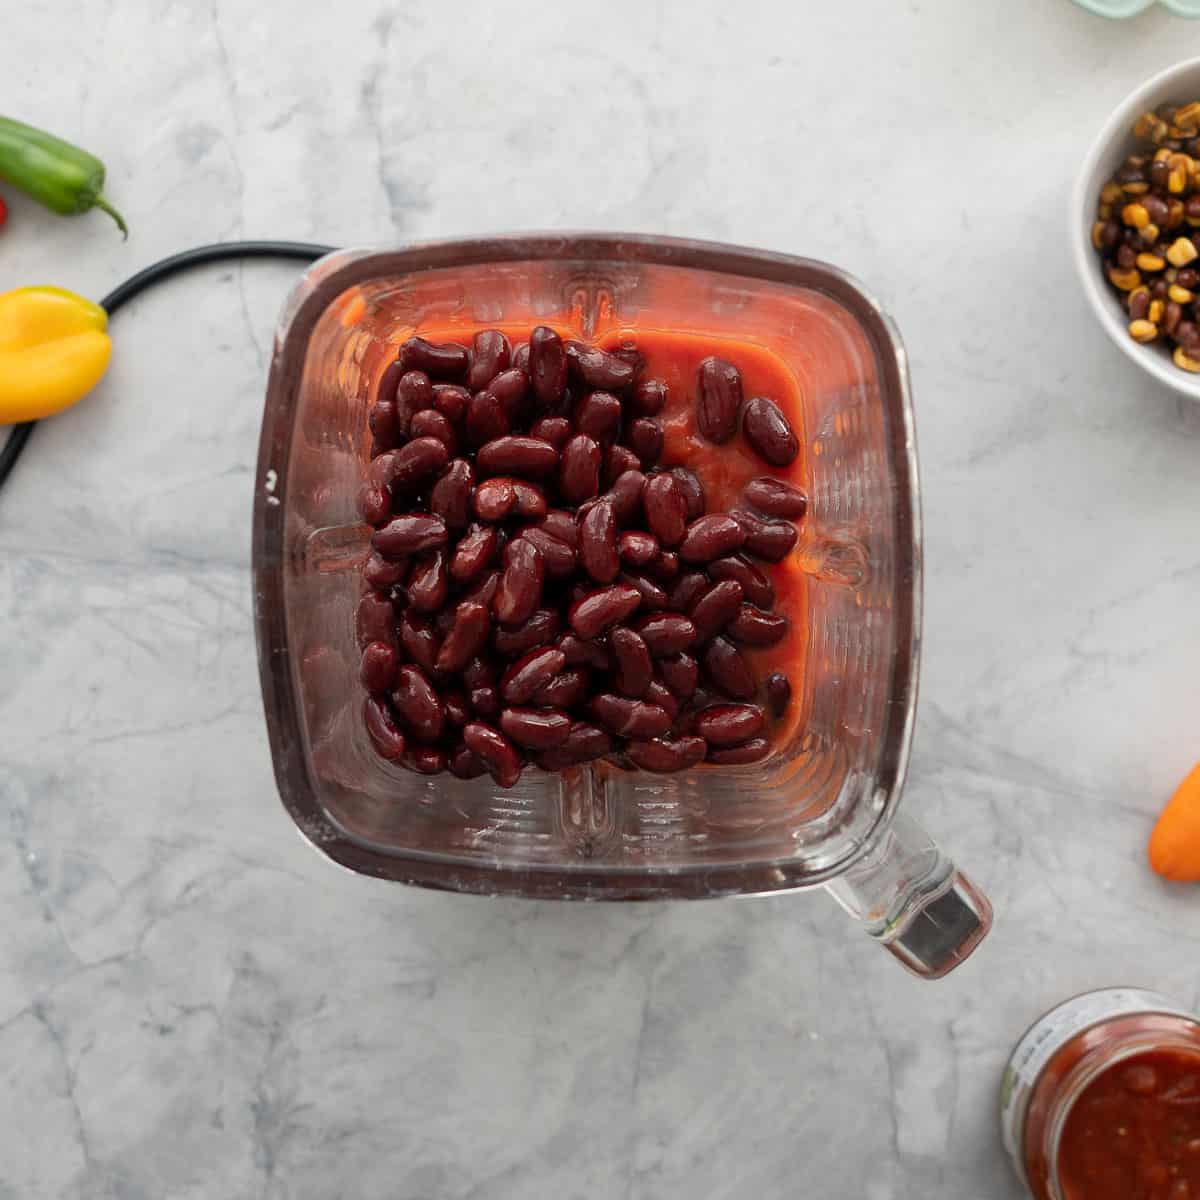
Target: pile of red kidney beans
column 540, row 591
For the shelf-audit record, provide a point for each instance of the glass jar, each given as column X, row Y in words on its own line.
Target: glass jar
column 1101, row 1099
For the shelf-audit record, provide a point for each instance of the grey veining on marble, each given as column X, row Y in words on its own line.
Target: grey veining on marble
column 196, row 1006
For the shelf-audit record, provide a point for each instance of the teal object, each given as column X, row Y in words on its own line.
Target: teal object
column 1118, row 9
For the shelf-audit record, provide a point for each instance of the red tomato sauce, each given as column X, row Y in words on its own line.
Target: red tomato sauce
column 1134, row 1134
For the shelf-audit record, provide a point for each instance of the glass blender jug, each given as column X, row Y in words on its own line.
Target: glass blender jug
column 822, row 809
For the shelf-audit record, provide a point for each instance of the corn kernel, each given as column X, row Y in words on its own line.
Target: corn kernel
column 1180, row 295
column 1182, row 169
column 1143, row 331
column 1149, row 233
column 1163, row 153
column 1111, row 193
column 1135, row 189
column 1150, row 126
column 1135, row 215
column 1150, row 262
column 1156, row 311
column 1182, row 251
column 1188, row 117
column 1185, row 361
column 1097, row 230
column 1125, row 280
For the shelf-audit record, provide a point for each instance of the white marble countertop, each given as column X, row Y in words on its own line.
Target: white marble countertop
column 194, row 1004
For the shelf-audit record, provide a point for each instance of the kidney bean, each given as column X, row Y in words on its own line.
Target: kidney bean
column 625, row 495
column 388, row 380
column 450, row 497
column 531, row 500
column 584, row 743
column 520, row 356
column 491, row 354
column 443, row 621
column 381, row 469
column 475, row 552
column 719, row 401
column 732, row 756
column 715, row 608
column 729, row 724
column 779, row 693
column 494, row 499
column 598, row 553
column 637, row 548
column 666, row 755
column 547, row 366
column 420, row 641
column 540, row 630
column 666, row 633
column 598, row 369
column 665, row 568
column 627, row 717
column 658, row 693
column 687, row 590
column 468, row 635
column 558, row 558
column 711, row 537
column 521, row 583
column 429, row 585
column 381, row 420
column 444, row 361
column 464, row 763
column 654, row 599
column 374, row 503
column 769, row 433
column 479, row 672
column 579, row 469
column 680, row 673
column 527, row 457
column 418, row 704
column 416, row 462
column 537, row 728
column 425, row 760
column 414, row 394
column 564, row 690
column 770, row 540
column 666, row 509
column 776, row 498
column 374, row 619
column 382, row 729
column 645, row 438
column 693, row 491
column 458, row 710
column 384, row 573
column 599, row 416
column 596, row 611
column 617, row 460
column 451, row 401
column 634, row 668
column 378, row 667
column 649, row 398
column 530, row 672
column 756, row 586
column 560, row 524
column 555, row 430
column 727, row 668
column 431, row 423
column 496, row 751
column 754, row 627
column 577, row 652
column 485, row 420
column 485, row 702
column 511, row 388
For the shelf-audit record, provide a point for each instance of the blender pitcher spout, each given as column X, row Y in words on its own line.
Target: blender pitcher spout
column 912, row 899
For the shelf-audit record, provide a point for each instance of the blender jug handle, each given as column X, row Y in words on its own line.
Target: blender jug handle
column 908, row 895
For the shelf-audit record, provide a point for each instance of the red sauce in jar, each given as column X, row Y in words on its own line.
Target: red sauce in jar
column 1134, row 1132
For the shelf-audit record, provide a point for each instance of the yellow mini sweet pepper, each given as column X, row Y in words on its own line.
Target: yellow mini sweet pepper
column 53, row 351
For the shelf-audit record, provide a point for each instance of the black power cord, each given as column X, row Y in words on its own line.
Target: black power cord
column 156, row 273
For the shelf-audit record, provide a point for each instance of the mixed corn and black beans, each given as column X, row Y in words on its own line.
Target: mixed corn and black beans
column 1148, row 232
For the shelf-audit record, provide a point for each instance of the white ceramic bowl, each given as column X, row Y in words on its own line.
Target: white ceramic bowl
column 1176, row 85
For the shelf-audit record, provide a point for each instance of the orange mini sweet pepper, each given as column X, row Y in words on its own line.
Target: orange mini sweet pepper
column 54, row 348
column 1175, row 842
